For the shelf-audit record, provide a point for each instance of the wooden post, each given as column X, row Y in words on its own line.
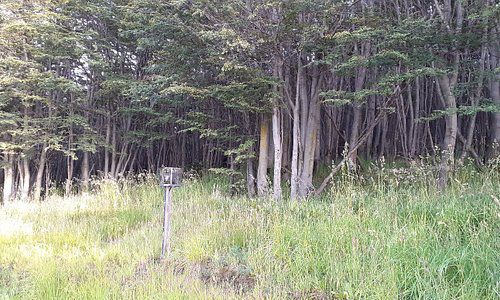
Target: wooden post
column 167, row 212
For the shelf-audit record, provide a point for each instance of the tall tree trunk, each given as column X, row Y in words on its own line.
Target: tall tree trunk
column 250, row 175
column 447, row 84
column 450, row 137
column 85, row 172
column 277, row 132
column 353, row 139
column 108, row 143
column 113, row 150
column 495, row 90
column 262, row 186
column 311, row 135
column 25, row 188
column 474, row 102
column 39, row 174
column 294, row 181
column 69, row 164
column 416, row 112
column 356, row 122
column 8, row 178
column 277, row 153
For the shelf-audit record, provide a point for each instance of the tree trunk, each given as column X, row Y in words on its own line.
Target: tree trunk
column 262, row 186
column 113, row 150
column 277, row 132
column 450, row 137
column 39, row 174
column 294, row 181
column 311, row 136
column 474, row 102
column 106, row 148
column 69, row 164
column 250, row 175
column 8, row 178
column 277, row 153
column 447, row 85
column 356, row 123
column 85, row 172
column 25, row 187
column 495, row 92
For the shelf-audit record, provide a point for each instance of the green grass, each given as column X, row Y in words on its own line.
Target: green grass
column 386, row 235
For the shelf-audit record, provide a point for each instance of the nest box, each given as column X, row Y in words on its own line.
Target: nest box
column 171, row 177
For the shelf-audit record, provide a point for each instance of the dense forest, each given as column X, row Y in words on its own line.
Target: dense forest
column 263, row 91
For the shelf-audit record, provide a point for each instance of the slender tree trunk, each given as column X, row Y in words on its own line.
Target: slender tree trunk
column 8, row 178
column 474, row 102
column 39, row 174
column 276, row 120
column 450, row 137
column 311, row 136
column 69, row 179
column 277, row 137
column 113, row 151
column 262, row 186
column 250, row 175
column 356, row 123
column 69, row 164
column 495, row 91
column 25, row 187
column 447, row 85
column 85, row 172
column 106, row 148
column 294, row 181
column 416, row 111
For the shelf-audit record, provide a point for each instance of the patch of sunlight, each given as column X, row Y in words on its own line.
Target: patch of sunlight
column 10, row 227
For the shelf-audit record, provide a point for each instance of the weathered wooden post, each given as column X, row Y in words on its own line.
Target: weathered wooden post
column 170, row 178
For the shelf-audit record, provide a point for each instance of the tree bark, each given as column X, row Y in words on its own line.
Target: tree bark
column 276, row 120
column 294, row 181
column 447, row 85
column 311, row 136
column 450, row 137
column 262, row 185
column 39, row 174
column 26, row 182
column 494, row 87
column 277, row 135
column 8, row 178
column 474, row 102
column 106, row 147
column 356, row 123
column 85, row 172
column 113, row 151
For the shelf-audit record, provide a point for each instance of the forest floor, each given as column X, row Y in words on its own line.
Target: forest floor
column 386, row 235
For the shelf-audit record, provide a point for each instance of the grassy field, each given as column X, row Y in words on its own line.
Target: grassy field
column 386, row 235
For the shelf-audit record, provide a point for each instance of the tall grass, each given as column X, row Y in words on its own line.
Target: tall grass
column 385, row 235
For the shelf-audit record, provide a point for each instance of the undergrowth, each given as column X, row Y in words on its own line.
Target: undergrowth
column 388, row 234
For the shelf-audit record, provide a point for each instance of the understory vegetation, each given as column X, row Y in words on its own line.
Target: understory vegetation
column 389, row 234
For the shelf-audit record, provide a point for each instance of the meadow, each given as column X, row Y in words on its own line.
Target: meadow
column 388, row 234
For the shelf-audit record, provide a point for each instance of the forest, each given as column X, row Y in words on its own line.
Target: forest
column 309, row 131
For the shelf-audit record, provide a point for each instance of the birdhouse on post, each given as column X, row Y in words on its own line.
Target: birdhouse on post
column 169, row 178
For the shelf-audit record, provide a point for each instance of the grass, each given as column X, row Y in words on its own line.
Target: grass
column 389, row 235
